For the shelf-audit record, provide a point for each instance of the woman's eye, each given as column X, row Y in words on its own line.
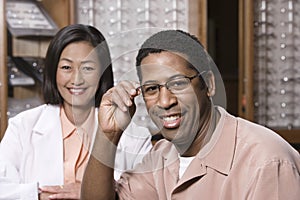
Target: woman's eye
column 65, row 67
column 88, row 68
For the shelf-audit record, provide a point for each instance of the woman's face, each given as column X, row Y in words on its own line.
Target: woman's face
column 78, row 74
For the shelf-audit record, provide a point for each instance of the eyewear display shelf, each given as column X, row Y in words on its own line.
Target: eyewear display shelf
column 127, row 23
column 269, row 39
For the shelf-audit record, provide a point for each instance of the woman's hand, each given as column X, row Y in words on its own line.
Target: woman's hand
column 68, row 191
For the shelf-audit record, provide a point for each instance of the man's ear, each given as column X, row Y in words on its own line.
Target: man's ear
column 210, row 82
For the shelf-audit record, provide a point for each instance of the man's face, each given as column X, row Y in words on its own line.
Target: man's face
column 177, row 115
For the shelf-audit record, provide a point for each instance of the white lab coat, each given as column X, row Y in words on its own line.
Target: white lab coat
column 31, row 152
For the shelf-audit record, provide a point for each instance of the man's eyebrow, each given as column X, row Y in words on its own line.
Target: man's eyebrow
column 177, row 76
column 171, row 77
column 150, row 82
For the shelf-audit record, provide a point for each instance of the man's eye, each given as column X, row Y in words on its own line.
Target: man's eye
column 178, row 83
column 151, row 88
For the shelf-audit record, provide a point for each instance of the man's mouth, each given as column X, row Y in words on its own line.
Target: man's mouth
column 171, row 121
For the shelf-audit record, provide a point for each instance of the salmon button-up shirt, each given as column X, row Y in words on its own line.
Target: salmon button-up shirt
column 242, row 161
column 76, row 146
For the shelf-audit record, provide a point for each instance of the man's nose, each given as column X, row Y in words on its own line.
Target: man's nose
column 166, row 98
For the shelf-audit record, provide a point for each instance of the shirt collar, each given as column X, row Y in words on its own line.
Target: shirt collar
column 88, row 125
column 218, row 153
column 67, row 126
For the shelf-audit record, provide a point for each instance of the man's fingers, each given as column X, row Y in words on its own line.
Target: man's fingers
column 119, row 107
column 121, row 99
column 122, row 95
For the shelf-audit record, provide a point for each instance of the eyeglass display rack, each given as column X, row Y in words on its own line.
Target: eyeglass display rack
column 269, row 91
column 127, row 23
column 28, row 18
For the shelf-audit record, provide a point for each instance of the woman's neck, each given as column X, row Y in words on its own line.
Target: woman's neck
column 77, row 115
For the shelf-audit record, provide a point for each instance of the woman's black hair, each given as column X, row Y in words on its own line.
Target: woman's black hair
column 67, row 35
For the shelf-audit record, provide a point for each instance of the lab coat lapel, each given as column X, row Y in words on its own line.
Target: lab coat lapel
column 48, row 146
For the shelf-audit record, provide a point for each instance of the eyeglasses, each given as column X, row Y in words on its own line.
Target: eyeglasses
column 174, row 85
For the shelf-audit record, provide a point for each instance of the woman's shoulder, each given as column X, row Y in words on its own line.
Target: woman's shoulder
column 35, row 112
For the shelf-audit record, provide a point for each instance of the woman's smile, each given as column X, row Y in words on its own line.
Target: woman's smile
column 77, row 91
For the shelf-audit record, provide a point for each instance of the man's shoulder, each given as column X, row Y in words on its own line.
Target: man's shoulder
column 255, row 133
column 259, row 142
column 263, row 144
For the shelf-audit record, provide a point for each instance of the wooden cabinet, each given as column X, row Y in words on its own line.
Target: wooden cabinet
column 268, row 67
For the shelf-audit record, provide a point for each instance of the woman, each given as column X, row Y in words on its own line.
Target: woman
column 45, row 150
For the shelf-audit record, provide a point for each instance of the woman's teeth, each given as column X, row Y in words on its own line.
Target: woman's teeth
column 76, row 91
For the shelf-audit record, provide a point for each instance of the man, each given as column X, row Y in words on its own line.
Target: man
column 206, row 153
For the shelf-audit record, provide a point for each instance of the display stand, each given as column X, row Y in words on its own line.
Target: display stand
column 268, row 87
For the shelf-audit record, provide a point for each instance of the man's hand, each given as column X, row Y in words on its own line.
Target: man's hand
column 68, row 191
column 115, row 112
column 117, row 108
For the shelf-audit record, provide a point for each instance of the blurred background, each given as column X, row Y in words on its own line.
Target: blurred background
column 253, row 42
